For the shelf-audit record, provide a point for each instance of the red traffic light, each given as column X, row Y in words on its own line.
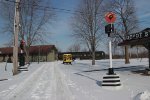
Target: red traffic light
column 22, row 43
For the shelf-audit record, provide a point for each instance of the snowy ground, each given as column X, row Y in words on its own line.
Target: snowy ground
column 79, row 81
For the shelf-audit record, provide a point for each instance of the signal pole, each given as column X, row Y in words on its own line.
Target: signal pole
column 111, row 78
column 16, row 32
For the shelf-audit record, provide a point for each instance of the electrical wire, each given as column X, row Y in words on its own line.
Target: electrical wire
column 49, row 8
column 60, row 10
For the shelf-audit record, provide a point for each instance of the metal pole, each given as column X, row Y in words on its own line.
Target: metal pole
column 110, row 54
column 110, row 70
column 149, row 54
column 39, row 55
column 16, row 32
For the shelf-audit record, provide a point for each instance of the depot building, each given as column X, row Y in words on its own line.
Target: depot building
column 42, row 53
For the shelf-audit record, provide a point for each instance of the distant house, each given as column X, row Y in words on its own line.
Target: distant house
column 42, row 53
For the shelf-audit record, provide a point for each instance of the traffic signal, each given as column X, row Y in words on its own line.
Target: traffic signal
column 21, row 46
column 22, row 57
column 109, row 29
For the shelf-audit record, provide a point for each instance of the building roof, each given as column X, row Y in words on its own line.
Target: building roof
column 6, row 50
column 42, row 49
column 140, row 38
column 135, row 42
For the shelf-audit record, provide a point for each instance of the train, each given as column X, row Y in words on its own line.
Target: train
column 83, row 55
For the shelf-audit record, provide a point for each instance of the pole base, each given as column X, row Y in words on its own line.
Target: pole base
column 111, row 71
column 111, row 80
column 147, row 71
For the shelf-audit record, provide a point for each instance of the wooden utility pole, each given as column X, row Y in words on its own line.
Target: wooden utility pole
column 16, row 32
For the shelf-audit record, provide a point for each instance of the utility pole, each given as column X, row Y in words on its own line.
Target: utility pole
column 16, row 32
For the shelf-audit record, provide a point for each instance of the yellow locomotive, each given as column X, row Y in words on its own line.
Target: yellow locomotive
column 67, row 58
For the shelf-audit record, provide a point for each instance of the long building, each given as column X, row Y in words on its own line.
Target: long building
column 42, row 53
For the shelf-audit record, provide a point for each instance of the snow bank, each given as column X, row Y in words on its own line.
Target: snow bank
column 117, row 88
column 143, row 96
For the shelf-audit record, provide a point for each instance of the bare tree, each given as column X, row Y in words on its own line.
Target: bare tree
column 127, row 22
column 34, row 16
column 74, row 48
column 86, row 25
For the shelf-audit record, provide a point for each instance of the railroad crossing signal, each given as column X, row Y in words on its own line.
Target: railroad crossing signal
column 22, row 57
column 109, row 29
column 110, row 17
column 22, row 43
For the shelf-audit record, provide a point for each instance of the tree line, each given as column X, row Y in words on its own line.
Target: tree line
column 88, row 22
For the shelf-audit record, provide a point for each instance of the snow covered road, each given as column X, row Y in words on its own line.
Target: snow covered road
column 79, row 81
column 46, row 83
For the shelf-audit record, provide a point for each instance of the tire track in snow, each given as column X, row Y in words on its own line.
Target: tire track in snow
column 46, row 83
column 62, row 88
column 43, row 87
column 25, row 85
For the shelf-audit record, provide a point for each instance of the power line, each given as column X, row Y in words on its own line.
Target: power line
column 62, row 10
column 57, row 10
column 7, row 3
column 49, row 8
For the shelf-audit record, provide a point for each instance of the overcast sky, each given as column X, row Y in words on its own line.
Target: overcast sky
column 61, row 29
